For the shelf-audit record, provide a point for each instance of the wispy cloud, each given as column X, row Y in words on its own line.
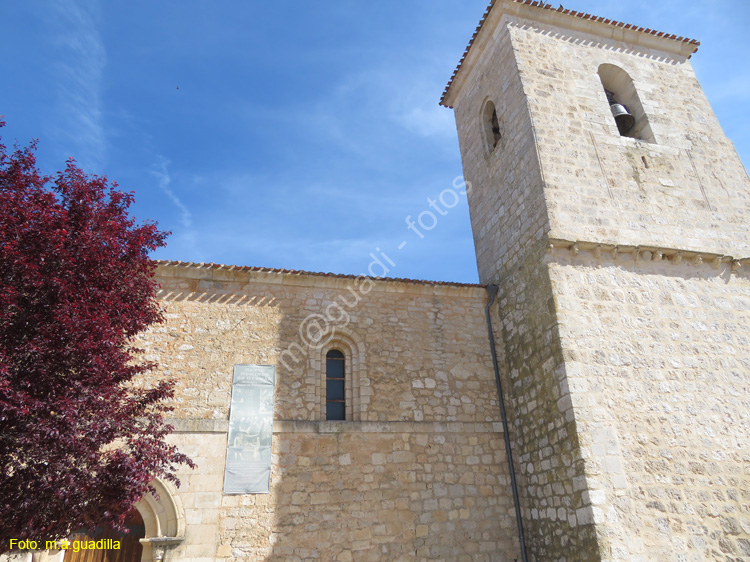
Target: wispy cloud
column 187, row 236
column 420, row 114
column 79, row 71
column 161, row 173
column 732, row 88
column 409, row 98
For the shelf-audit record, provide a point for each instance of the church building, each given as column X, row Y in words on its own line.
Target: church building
column 360, row 419
column 611, row 219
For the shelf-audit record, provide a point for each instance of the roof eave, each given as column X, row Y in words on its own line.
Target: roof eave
column 217, row 271
column 568, row 19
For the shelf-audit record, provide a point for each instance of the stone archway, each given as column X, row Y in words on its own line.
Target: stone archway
column 164, row 521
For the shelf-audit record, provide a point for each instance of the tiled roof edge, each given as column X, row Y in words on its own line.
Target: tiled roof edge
column 561, row 9
column 311, row 273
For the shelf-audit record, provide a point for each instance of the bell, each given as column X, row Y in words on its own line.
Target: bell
column 623, row 118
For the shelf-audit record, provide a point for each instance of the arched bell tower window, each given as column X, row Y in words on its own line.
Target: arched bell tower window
column 335, row 385
column 624, row 103
column 491, row 126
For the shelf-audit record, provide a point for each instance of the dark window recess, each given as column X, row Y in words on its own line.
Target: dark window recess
column 496, row 136
column 335, row 386
column 491, row 125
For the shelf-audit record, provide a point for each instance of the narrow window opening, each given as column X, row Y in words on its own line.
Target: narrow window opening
column 645, row 162
column 491, row 125
column 335, row 385
column 496, row 136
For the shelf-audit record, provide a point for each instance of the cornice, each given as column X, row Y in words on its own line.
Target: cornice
column 294, row 278
column 648, row 253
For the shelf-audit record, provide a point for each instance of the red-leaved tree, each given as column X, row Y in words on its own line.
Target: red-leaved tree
column 80, row 439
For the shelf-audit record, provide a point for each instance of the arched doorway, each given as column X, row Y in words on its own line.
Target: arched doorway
column 157, row 526
column 130, row 548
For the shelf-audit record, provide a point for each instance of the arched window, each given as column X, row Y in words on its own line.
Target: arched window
column 491, row 126
column 335, row 385
column 343, row 357
column 624, row 103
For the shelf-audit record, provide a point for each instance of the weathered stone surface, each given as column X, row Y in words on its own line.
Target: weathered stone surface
column 419, row 471
column 623, row 294
column 622, row 326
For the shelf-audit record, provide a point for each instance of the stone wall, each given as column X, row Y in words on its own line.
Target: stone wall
column 508, row 215
column 654, row 346
column 658, row 367
column 622, row 294
column 687, row 190
column 510, row 224
column 377, row 491
column 557, row 514
column 418, row 472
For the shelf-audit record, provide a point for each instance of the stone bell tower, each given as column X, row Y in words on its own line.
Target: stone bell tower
column 614, row 214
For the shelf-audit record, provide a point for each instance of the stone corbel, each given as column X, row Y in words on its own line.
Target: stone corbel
column 160, row 545
column 648, row 253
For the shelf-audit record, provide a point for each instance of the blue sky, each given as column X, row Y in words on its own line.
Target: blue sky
column 296, row 135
